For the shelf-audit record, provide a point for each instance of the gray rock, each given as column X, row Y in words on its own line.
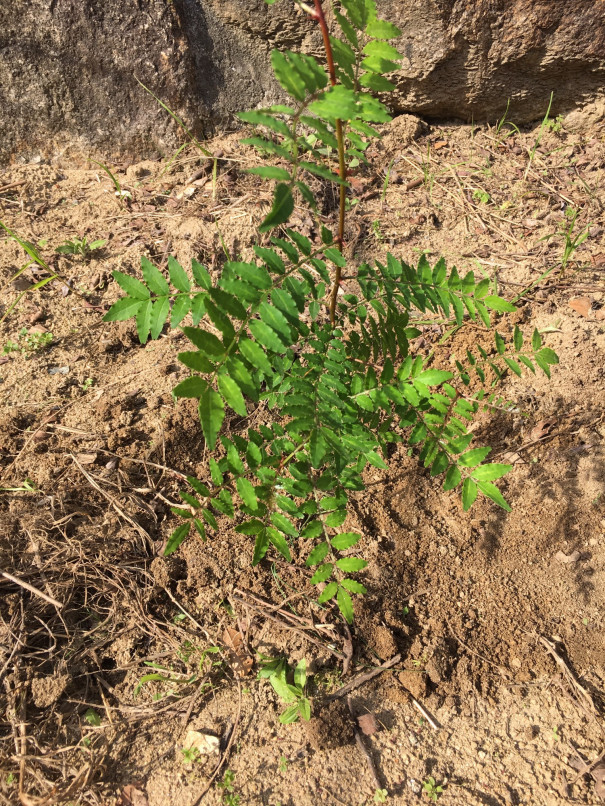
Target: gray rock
column 68, row 68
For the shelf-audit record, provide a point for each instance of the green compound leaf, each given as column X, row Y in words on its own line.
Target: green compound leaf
column 232, row 394
column 260, row 547
column 133, row 287
column 247, row 493
column 143, row 320
column 381, row 29
column 283, row 523
column 353, row 585
column 323, row 573
column 491, row 491
column 191, row 387
column 280, row 543
column 453, row 478
column 328, row 592
column 490, row 472
column 473, row 457
column 318, row 554
column 469, row 494
column 499, row 304
column 271, row 172
column 281, row 210
column 345, row 605
column 154, row 278
column 212, row 414
column 345, row 540
column 351, row 564
column 125, row 308
column 159, row 315
column 178, row 275
column 176, row 538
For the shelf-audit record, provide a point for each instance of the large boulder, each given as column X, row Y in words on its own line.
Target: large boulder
column 68, row 68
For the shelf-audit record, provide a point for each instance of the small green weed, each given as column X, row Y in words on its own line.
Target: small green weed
column 283, row 764
column 28, row 343
column 571, row 241
column 81, row 247
column 543, row 127
column 190, row 754
column 555, row 125
column 87, row 385
column 229, row 798
column 432, row 789
column 482, row 196
column 276, row 670
column 504, row 127
column 381, row 796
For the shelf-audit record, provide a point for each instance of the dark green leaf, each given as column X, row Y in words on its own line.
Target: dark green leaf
column 328, row 593
column 271, row 172
column 154, row 278
column 260, row 547
column 232, row 394
column 469, row 494
column 176, row 538
column 536, row 339
column 281, row 210
column 180, row 309
column 143, row 320
column 323, row 573
column 252, row 527
column 124, row 308
column 473, row 457
column 491, row 491
column 212, row 413
column 452, row 478
column 499, row 304
column 318, row 554
column 159, row 315
column 351, row 564
column 280, row 543
column 283, row 523
column 178, row 276
column 490, row 472
column 201, row 275
column 345, row 604
column 345, row 540
column 196, row 361
column 208, row 343
column 191, row 387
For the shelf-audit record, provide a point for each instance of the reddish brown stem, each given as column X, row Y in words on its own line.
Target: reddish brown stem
column 342, row 169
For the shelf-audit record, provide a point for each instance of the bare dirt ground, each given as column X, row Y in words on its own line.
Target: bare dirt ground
column 499, row 695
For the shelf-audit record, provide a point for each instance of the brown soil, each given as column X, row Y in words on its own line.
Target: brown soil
column 472, row 602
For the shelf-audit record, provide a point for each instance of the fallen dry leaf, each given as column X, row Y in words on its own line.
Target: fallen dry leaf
column 240, row 661
column 132, row 796
column 542, row 429
column 368, row 724
column 581, row 305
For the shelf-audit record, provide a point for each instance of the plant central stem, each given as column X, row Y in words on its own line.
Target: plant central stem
column 342, row 169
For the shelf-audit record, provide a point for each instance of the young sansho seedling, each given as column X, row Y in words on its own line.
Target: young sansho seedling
column 338, row 372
